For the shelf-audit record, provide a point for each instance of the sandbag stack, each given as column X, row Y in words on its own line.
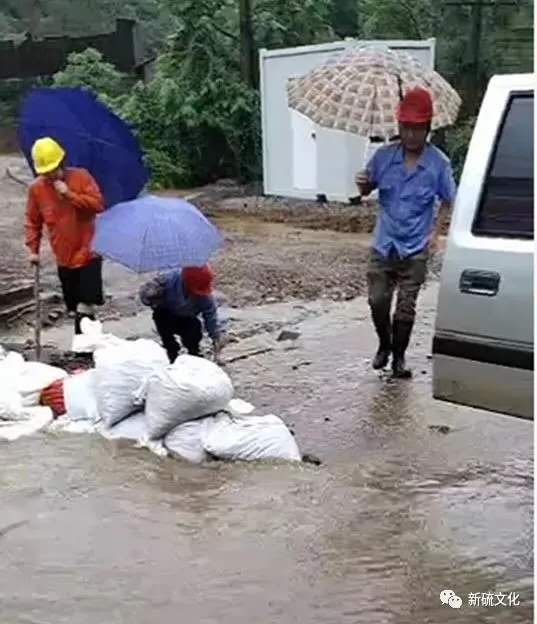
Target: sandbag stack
column 186, row 409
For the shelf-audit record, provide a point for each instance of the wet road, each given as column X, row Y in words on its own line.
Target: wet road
column 94, row 531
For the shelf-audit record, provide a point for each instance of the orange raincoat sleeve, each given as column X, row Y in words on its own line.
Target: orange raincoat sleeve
column 84, row 193
column 33, row 227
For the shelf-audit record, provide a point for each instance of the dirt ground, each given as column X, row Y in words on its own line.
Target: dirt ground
column 275, row 249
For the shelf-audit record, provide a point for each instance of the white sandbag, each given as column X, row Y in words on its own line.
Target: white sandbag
column 11, row 366
column 238, row 407
column 28, row 379
column 80, row 396
column 190, row 388
column 185, row 441
column 34, row 378
column 249, row 438
column 93, row 337
column 37, row 418
column 131, row 428
column 120, row 372
column 11, row 407
column 64, row 424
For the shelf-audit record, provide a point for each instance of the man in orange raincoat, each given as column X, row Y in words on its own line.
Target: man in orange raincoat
column 66, row 201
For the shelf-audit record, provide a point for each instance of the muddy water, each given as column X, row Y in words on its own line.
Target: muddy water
column 95, row 532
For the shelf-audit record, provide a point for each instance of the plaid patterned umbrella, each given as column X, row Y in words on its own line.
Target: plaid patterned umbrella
column 155, row 233
column 359, row 90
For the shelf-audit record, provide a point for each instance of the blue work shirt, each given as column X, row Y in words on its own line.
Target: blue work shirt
column 408, row 198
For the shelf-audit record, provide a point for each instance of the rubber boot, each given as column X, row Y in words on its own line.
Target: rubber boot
column 381, row 320
column 83, row 358
column 401, row 337
column 78, row 321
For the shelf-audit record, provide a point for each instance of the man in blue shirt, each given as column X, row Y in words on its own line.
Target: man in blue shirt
column 411, row 176
column 178, row 298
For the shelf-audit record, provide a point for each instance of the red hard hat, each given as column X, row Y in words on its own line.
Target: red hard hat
column 416, row 107
column 198, row 280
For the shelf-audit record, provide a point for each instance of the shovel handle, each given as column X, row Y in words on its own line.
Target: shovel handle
column 37, row 298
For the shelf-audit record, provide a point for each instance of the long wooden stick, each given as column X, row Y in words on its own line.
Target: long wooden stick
column 37, row 297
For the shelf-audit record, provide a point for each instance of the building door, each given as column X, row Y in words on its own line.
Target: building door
column 304, row 152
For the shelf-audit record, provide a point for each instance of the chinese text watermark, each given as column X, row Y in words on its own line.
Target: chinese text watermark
column 484, row 599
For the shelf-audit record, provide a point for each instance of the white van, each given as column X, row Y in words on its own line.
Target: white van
column 483, row 343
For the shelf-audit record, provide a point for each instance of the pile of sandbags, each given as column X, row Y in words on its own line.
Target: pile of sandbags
column 21, row 384
column 186, row 409
column 235, row 438
column 190, row 404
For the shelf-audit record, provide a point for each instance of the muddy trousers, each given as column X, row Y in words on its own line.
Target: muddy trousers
column 188, row 328
column 385, row 276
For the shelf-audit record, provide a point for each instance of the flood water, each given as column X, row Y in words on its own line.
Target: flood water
column 98, row 532
column 95, row 531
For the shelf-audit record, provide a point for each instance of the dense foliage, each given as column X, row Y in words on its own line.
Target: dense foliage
column 198, row 119
column 59, row 17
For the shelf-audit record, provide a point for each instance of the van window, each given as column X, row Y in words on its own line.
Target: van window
column 507, row 201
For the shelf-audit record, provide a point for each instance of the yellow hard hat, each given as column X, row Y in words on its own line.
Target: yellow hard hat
column 47, row 155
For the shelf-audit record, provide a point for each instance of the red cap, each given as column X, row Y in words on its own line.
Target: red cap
column 198, row 280
column 416, row 107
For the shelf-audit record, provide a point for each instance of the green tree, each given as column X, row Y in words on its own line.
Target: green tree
column 89, row 70
column 287, row 23
column 199, row 117
column 345, row 18
column 142, row 106
column 59, row 17
column 200, row 82
column 457, row 142
column 397, row 19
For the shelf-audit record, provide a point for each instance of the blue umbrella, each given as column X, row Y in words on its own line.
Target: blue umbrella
column 93, row 137
column 156, row 233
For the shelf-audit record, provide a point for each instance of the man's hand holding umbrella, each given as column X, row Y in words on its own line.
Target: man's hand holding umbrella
column 362, row 182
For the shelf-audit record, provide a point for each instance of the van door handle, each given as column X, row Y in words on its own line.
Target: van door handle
column 485, row 283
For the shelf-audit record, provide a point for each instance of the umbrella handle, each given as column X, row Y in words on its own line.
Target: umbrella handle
column 37, row 297
column 400, row 85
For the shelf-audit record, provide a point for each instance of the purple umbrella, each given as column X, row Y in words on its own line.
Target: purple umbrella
column 156, row 233
column 92, row 136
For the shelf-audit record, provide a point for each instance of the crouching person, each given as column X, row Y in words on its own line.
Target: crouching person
column 178, row 300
